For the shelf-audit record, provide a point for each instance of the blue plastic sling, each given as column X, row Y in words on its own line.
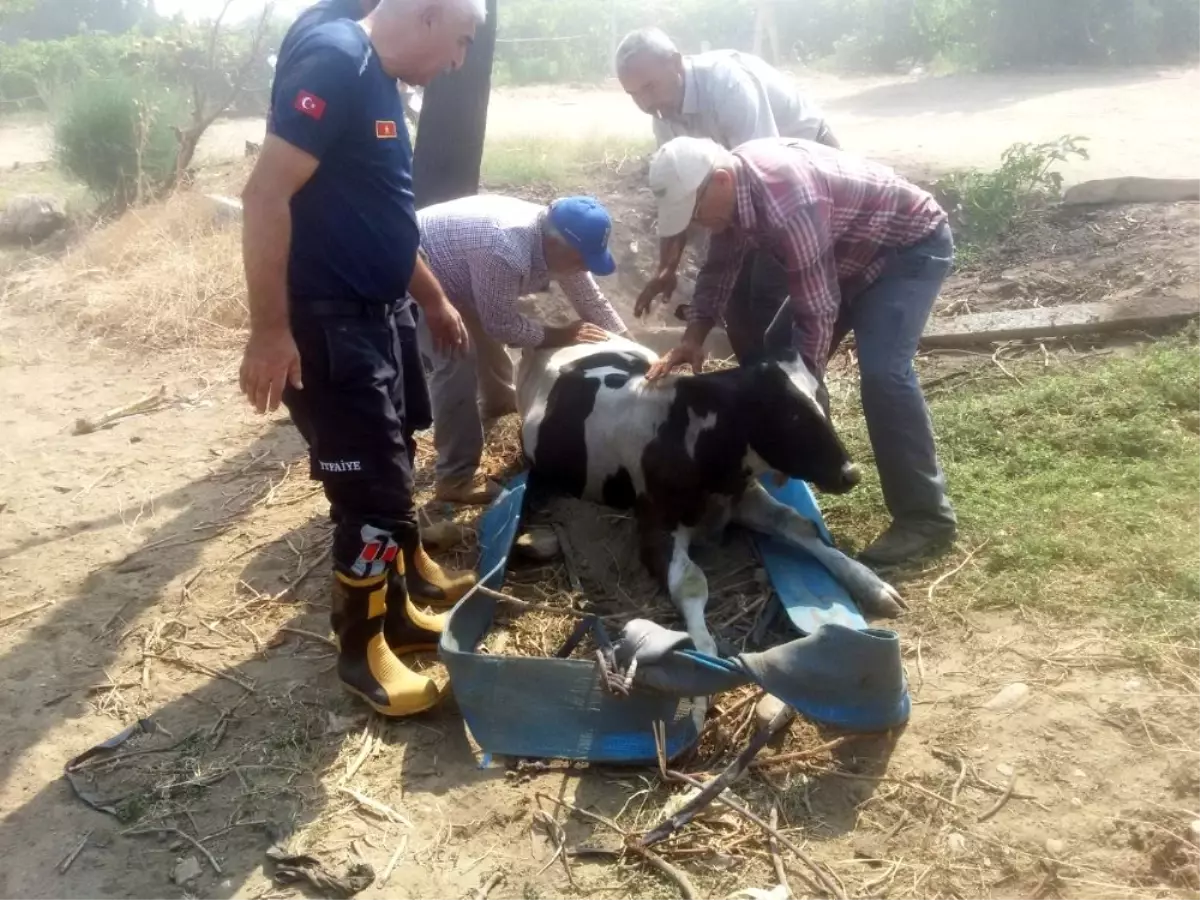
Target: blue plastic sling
column 507, row 703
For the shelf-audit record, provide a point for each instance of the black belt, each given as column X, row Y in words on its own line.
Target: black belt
column 346, row 309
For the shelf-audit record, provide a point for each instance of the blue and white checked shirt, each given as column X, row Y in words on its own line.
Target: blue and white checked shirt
column 486, row 250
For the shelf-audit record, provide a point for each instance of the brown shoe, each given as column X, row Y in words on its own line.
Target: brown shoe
column 476, row 490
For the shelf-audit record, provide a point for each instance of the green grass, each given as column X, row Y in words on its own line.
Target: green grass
column 565, row 164
column 1084, row 480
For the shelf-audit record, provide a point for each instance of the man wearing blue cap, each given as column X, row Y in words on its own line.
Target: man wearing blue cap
column 487, row 252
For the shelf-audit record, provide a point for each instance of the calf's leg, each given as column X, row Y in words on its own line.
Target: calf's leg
column 665, row 554
column 760, row 512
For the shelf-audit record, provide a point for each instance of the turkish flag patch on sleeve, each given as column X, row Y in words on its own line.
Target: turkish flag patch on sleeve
column 385, row 128
column 310, row 104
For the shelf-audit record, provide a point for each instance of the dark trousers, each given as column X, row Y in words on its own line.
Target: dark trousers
column 364, row 395
column 888, row 319
column 759, row 292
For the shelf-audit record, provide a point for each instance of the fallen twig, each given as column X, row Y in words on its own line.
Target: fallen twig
column 391, row 866
column 525, row 605
column 713, row 789
column 368, row 745
column 380, row 809
column 956, row 569
column 1003, row 798
column 824, row 877
column 20, row 614
column 652, row 859
column 204, row 670
column 146, row 404
column 164, row 829
column 802, row 754
column 69, row 859
column 490, row 884
column 776, row 859
column 311, row 635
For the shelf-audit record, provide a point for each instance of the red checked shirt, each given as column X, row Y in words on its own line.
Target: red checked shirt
column 828, row 216
column 486, row 250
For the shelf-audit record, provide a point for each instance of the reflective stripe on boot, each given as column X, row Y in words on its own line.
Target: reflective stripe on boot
column 366, row 665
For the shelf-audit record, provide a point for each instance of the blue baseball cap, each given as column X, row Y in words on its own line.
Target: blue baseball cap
column 585, row 224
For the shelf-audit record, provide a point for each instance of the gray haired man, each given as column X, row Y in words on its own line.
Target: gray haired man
column 487, row 252
column 729, row 97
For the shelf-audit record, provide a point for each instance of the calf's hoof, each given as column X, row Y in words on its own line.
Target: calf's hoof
column 883, row 602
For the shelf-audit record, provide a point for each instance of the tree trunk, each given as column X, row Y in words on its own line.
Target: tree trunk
column 449, row 151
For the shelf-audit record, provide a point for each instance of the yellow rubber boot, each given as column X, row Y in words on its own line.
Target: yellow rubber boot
column 366, row 664
column 427, row 582
column 407, row 628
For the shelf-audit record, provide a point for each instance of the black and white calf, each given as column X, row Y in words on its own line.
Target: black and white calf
column 685, row 454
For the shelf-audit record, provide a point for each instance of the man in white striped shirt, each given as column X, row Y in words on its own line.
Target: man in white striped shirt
column 487, row 252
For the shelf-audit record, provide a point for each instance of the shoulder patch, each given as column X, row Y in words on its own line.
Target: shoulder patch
column 310, row 104
column 385, row 128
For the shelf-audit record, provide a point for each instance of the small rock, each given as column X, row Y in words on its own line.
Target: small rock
column 1011, row 697
column 539, row 545
column 1076, row 803
column 871, row 848
column 1133, row 684
column 335, row 724
column 766, row 710
column 1079, row 774
column 1195, row 829
column 1004, row 769
column 956, row 842
column 176, row 845
column 1055, row 847
column 186, row 870
column 761, row 578
column 30, row 218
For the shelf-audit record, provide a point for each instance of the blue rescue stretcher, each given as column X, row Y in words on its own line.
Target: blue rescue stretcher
column 840, row 673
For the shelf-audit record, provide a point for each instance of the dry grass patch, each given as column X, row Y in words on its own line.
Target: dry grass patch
column 161, row 277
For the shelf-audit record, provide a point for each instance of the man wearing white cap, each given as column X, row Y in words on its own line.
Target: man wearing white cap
column 863, row 250
column 729, row 97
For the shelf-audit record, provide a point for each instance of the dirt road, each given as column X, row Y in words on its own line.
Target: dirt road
column 1138, row 120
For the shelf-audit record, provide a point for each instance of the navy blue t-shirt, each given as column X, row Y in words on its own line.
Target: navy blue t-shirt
column 354, row 225
column 318, row 14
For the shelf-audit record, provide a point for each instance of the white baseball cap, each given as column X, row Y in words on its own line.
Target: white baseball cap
column 677, row 170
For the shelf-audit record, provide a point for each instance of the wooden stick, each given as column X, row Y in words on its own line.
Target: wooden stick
column 183, row 834
column 955, row 570
column 204, row 670
column 776, row 859
column 712, row 790
column 652, row 859
column 20, row 614
column 823, row 877
column 391, row 866
column 998, row 805
column 525, row 605
column 146, row 404
column 491, row 883
column 382, row 810
column 70, row 858
column 803, row 754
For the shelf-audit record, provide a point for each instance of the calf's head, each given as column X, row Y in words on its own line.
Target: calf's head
column 787, row 426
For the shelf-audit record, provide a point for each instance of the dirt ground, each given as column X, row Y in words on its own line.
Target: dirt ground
column 171, row 567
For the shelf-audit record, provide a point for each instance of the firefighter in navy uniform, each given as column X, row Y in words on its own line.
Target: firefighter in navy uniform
column 329, row 243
